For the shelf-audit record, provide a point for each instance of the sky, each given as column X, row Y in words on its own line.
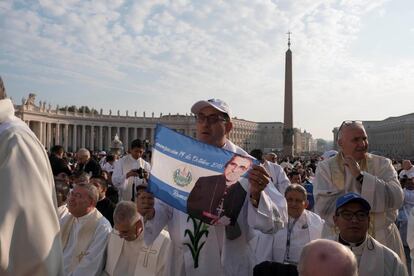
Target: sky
column 352, row 59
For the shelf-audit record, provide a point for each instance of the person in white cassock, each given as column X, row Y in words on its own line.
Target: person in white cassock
column 352, row 220
column 127, row 253
column 85, row 233
column 225, row 249
column 29, row 227
column 285, row 246
column 126, row 175
column 353, row 169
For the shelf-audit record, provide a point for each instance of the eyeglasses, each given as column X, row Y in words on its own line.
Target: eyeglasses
column 211, row 119
column 131, row 233
column 359, row 215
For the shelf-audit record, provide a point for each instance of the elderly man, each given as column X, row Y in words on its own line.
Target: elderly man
column 303, row 226
column 352, row 220
column 127, row 176
column 29, row 227
column 127, row 254
column 85, row 233
column 353, row 169
column 271, row 157
column 225, row 249
column 86, row 164
column 407, row 168
column 327, row 258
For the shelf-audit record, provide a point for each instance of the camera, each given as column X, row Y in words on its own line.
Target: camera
column 140, row 172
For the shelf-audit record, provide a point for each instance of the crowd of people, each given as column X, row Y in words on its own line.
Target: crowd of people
column 346, row 213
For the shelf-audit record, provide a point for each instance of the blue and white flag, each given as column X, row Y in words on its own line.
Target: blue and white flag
column 205, row 181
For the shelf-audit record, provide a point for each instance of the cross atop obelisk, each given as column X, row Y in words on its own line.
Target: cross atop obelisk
column 288, row 114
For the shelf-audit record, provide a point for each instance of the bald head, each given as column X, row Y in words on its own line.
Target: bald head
column 2, row 90
column 325, row 257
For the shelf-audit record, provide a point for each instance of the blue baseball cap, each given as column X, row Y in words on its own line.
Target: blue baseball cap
column 352, row 197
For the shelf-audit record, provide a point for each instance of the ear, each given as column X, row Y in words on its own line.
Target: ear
column 306, row 204
column 229, row 127
column 340, row 143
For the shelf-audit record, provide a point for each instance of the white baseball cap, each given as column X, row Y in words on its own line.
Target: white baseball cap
column 215, row 103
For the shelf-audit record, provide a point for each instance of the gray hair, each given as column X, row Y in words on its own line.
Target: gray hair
column 126, row 211
column 92, row 191
column 2, row 90
column 348, row 124
column 84, row 152
column 327, row 255
column 296, row 188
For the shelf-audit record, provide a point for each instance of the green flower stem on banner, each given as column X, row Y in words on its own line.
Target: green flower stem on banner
column 200, row 229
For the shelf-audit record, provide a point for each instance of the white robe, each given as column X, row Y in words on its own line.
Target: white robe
column 135, row 257
column 29, row 227
column 273, row 247
column 121, row 168
column 375, row 259
column 380, row 188
column 92, row 262
column 410, row 236
column 278, row 175
column 219, row 255
column 63, row 211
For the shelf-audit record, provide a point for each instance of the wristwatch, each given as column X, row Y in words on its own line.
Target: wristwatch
column 360, row 177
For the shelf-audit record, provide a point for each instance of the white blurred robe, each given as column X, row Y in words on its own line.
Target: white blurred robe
column 380, row 188
column 135, row 257
column 278, row 176
column 29, row 227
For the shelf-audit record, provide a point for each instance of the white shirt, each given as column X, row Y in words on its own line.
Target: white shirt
column 278, row 176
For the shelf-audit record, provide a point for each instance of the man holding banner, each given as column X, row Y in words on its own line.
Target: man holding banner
column 198, row 248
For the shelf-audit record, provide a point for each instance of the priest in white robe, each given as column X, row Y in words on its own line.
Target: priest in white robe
column 225, row 249
column 352, row 220
column 285, row 246
column 353, row 169
column 126, row 175
column 410, row 237
column 127, row 253
column 85, row 233
column 29, row 227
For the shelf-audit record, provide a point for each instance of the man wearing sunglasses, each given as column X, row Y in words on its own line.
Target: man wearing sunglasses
column 225, row 250
column 353, row 169
column 352, row 220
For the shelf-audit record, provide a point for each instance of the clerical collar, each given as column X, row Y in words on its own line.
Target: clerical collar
column 350, row 244
column 85, row 217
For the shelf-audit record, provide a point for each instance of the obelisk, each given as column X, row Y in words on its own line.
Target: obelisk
column 288, row 115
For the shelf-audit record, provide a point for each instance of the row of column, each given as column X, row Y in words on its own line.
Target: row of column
column 75, row 136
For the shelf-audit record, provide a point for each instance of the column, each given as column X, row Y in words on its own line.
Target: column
column 83, row 136
column 100, row 143
column 135, row 133
column 66, row 137
column 58, row 140
column 143, row 134
column 109, row 136
column 49, row 135
column 74, row 145
column 117, row 132
column 126, row 146
column 92, row 138
column 41, row 133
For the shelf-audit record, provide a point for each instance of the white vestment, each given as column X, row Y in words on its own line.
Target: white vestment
column 406, row 172
column 270, row 247
column 278, row 175
column 135, row 257
column 63, row 211
column 84, row 241
column 121, row 168
column 410, row 236
column 218, row 255
column 380, row 187
column 29, row 227
column 375, row 259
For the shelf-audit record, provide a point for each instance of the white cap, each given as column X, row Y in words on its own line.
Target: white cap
column 328, row 154
column 102, row 152
column 215, row 103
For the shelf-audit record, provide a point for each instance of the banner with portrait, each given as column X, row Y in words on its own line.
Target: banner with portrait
column 205, row 181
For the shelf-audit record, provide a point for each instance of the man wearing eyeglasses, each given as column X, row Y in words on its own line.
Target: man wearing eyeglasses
column 127, row 254
column 221, row 250
column 352, row 220
column 353, row 169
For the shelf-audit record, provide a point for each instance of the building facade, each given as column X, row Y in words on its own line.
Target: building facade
column 92, row 129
